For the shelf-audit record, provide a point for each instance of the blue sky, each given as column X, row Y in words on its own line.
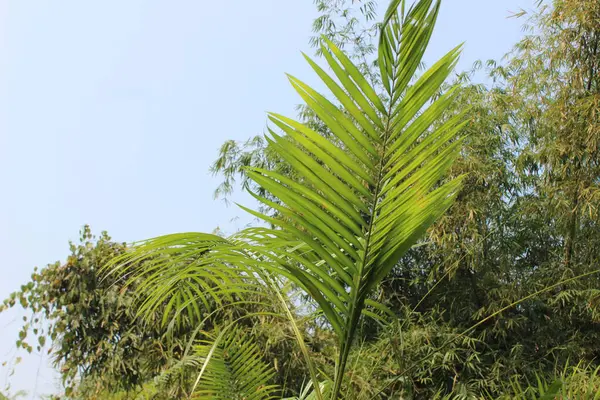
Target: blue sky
column 112, row 111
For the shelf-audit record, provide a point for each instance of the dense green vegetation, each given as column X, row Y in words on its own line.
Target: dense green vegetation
column 418, row 236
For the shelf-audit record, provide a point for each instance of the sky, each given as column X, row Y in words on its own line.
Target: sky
column 112, row 111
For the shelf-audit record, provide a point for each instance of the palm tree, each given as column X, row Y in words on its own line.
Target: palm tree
column 360, row 198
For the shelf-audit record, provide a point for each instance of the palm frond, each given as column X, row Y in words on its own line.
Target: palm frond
column 368, row 193
column 232, row 368
column 186, row 273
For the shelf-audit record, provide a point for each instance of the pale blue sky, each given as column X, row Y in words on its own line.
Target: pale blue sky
column 112, row 111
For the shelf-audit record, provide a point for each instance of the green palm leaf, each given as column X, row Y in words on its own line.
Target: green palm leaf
column 360, row 212
column 233, row 369
column 188, row 273
column 228, row 366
